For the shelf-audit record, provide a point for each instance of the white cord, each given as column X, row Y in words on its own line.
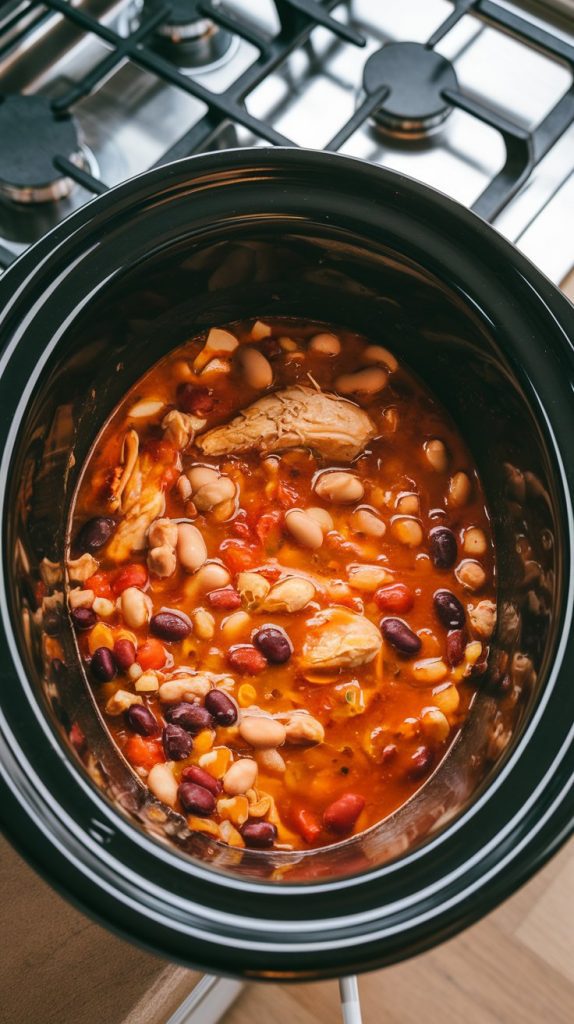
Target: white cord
column 350, row 1002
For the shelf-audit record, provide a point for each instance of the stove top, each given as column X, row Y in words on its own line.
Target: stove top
column 474, row 97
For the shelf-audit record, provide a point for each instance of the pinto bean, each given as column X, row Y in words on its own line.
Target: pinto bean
column 304, row 528
column 399, row 635
column 341, row 815
column 191, row 548
column 407, row 531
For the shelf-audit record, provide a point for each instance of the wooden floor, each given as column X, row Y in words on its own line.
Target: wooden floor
column 514, row 967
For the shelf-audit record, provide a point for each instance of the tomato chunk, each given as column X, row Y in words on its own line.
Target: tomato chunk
column 100, row 584
column 144, row 753
column 133, row 575
column 268, row 529
column 307, row 825
column 239, row 556
column 151, row 654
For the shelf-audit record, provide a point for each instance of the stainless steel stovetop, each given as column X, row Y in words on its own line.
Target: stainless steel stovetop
column 484, row 113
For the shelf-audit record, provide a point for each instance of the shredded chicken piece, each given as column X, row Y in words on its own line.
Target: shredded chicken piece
column 142, row 501
column 339, row 638
column 297, row 416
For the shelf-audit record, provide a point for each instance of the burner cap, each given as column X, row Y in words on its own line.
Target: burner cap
column 32, row 136
column 416, row 78
column 185, row 36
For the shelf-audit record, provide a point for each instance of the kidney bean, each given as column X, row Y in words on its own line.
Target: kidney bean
column 274, row 643
column 420, row 762
column 141, row 720
column 341, row 815
column 259, row 834
column 455, row 644
column 190, row 717
column 221, row 707
column 201, row 778
column 103, row 665
column 443, row 547
column 401, row 636
column 395, row 597
column 196, row 799
column 193, row 399
column 52, row 622
column 170, row 626
column 246, row 659
column 83, row 619
column 449, row 609
column 177, row 743
column 125, row 654
column 224, row 597
column 94, row 534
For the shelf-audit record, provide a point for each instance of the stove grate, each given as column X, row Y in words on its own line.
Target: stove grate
column 524, row 147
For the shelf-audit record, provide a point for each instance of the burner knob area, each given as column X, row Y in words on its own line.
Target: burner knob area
column 185, row 36
column 416, row 79
column 32, row 137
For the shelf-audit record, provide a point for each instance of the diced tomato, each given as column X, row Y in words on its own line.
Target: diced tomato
column 247, row 659
column 288, row 497
column 307, row 824
column 241, row 529
column 160, row 450
column 239, row 556
column 100, row 584
column 394, row 597
column 268, row 529
column 193, row 399
column 225, row 597
column 39, row 592
column 151, row 654
column 270, row 572
column 169, row 477
column 133, row 575
column 143, row 752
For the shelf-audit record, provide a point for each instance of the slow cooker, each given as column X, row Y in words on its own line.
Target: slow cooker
column 223, row 237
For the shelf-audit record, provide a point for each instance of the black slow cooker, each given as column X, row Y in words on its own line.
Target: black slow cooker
column 84, row 313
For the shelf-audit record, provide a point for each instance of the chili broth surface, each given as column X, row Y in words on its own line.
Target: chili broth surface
column 342, row 709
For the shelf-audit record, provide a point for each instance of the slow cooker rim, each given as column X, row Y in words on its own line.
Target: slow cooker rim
column 399, row 179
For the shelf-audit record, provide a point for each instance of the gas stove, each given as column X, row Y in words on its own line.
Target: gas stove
column 473, row 97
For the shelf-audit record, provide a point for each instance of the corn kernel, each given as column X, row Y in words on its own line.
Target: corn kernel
column 472, row 652
column 246, row 695
column 205, row 825
column 100, row 636
column 203, row 741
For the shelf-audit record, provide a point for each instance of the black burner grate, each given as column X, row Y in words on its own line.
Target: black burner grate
column 524, row 148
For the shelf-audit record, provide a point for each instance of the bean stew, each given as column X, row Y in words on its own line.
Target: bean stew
column 282, row 580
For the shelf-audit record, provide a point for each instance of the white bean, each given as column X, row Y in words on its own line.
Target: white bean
column 255, row 368
column 326, row 344
column 290, row 595
column 162, row 561
column 436, row 453
column 365, row 382
column 304, row 528
column 368, row 577
column 198, row 476
column 240, row 777
column 212, row 576
column 136, row 607
column 162, row 531
column 365, row 521
column 212, row 494
column 191, row 548
column 321, row 516
column 262, row 732
column 162, row 783
column 260, row 330
column 378, row 354
column 339, row 486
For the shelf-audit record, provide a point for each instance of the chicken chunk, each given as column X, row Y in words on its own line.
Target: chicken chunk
column 298, row 416
column 339, row 638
